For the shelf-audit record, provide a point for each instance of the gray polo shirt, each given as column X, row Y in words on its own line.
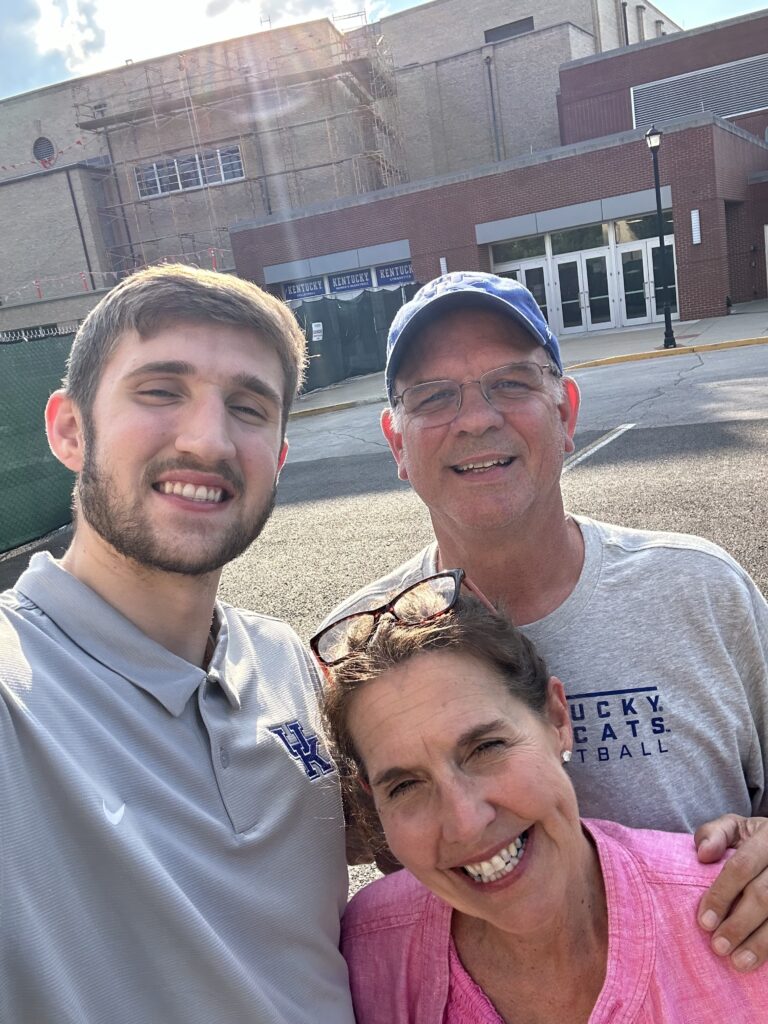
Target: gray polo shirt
column 171, row 840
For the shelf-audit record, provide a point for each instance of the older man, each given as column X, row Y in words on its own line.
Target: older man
column 670, row 715
column 171, row 841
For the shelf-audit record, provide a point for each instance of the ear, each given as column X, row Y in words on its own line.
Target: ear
column 558, row 714
column 64, row 427
column 395, row 441
column 569, row 410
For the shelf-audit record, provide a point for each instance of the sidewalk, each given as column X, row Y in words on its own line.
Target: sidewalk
column 747, row 324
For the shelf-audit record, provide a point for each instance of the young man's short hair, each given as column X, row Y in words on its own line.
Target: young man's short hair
column 157, row 297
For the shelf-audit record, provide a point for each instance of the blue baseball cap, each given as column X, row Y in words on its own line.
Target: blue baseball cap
column 460, row 291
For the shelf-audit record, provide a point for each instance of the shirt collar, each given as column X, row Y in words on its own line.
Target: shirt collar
column 107, row 636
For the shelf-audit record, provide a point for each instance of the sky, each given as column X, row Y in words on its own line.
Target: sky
column 47, row 41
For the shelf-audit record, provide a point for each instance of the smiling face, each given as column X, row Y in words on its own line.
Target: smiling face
column 485, row 470
column 470, row 788
column 178, row 461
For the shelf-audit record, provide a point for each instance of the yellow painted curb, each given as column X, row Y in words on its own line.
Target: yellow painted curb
column 299, row 414
column 681, row 350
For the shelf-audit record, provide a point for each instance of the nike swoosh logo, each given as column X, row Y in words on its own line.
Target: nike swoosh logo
column 113, row 817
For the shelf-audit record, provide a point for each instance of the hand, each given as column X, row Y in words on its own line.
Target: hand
column 735, row 907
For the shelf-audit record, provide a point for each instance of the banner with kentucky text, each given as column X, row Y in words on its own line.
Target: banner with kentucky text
column 304, row 289
column 349, row 280
column 395, row 273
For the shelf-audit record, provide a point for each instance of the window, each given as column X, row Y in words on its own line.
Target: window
column 593, row 236
column 508, row 31
column 633, row 228
column 192, row 170
column 518, row 249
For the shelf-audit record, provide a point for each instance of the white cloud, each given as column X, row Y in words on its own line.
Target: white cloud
column 66, row 27
column 92, row 35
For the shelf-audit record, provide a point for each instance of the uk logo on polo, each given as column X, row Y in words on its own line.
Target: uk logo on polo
column 303, row 748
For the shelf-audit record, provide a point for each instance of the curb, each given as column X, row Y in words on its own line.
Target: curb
column 299, row 414
column 681, row 350
column 629, row 357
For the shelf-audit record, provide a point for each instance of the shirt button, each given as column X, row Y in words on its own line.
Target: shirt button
column 224, row 757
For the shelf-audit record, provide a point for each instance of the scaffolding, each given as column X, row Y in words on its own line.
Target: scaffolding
column 285, row 119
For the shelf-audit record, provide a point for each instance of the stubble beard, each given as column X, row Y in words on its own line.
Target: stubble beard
column 128, row 530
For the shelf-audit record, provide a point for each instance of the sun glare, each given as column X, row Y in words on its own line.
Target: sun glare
column 107, row 33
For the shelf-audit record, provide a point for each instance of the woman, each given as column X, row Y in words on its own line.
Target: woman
column 511, row 908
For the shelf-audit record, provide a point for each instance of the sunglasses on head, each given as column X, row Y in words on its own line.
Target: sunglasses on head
column 421, row 602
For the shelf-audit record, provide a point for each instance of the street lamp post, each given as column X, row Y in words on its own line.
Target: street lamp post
column 653, row 138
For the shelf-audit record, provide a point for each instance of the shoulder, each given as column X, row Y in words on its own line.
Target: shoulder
column 659, row 550
column 267, row 642
column 422, row 564
column 663, row 858
column 626, row 538
column 394, row 903
column 258, row 623
column 20, row 639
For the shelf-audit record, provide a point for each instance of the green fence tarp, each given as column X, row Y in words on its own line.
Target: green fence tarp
column 354, row 333
column 36, row 488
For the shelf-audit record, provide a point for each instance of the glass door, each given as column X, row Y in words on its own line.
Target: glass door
column 658, row 291
column 535, row 280
column 584, row 285
column 633, row 284
column 534, row 276
column 640, row 276
column 570, row 287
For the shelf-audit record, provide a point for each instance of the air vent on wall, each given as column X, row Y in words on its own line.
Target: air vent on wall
column 726, row 90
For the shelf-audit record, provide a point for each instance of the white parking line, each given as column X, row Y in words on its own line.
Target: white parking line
column 601, row 442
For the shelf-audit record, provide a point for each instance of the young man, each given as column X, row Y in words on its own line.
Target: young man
column 670, row 714
column 171, row 836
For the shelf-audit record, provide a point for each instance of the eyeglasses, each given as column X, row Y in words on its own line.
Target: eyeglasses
column 438, row 401
column 421, row 602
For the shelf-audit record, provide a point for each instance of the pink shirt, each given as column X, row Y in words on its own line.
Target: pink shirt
column 396, row 937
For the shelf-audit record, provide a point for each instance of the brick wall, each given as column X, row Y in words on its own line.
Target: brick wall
column 756, row 124
column 448, row 112
column 595, row 94
column 705, row 165
column 41, row 238
column 302, row 142
column 611, row 23
column 432, row 31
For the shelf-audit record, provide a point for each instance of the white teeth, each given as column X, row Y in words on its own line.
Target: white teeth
column 483, row 465
column 501, row 864
column 191, row 492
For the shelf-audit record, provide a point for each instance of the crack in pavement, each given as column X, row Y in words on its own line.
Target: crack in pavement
column 660, row 392
column 363, row 440
column 688, row 369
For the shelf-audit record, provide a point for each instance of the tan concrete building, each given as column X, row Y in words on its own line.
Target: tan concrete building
column 154, row 160
column 477, row 79
column 158, row 159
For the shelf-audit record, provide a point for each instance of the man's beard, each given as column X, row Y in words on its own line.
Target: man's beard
column 129, row 530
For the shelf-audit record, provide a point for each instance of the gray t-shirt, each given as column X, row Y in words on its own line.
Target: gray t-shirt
column 171, row 839
column 662, row 647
